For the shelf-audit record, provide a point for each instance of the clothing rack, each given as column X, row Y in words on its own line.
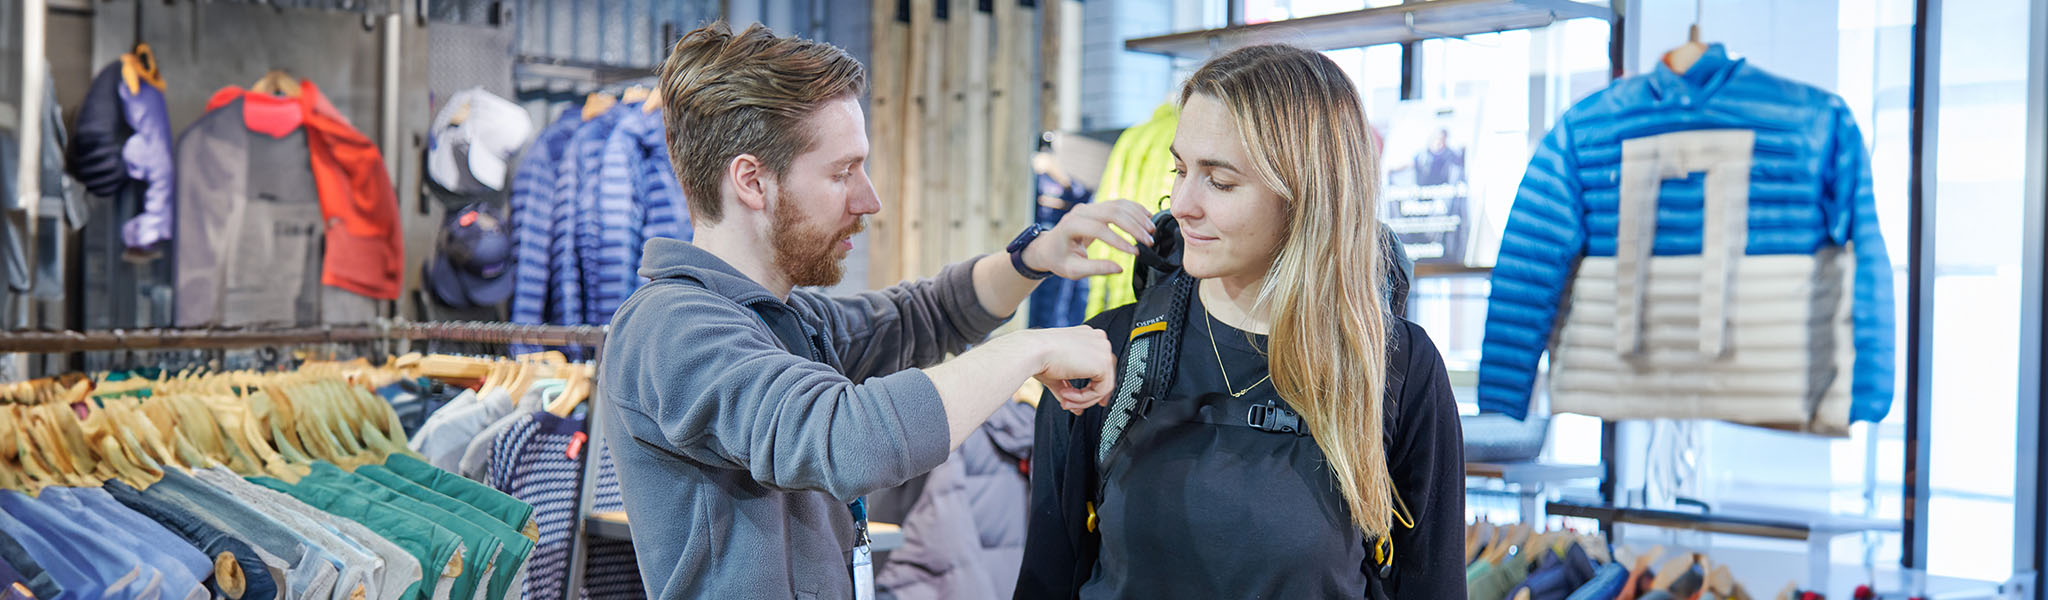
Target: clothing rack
column 153, row 339
column 384, row 330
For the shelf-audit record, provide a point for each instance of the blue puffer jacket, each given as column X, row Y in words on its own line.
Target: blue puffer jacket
column 1808, row 190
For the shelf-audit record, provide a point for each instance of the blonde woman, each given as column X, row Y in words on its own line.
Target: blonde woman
column 1274, row 431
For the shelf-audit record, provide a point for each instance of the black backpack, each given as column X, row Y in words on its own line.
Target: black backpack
column 1149, row 362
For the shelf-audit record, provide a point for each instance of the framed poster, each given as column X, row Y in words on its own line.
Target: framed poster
column 1425, row 194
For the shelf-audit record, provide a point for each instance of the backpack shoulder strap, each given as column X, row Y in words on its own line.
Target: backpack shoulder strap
column 1148, row 360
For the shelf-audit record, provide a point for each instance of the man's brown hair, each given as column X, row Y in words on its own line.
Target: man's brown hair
column 728, row 94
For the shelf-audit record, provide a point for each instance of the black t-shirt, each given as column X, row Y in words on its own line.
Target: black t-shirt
column 1194, row 508
column 1267, row 519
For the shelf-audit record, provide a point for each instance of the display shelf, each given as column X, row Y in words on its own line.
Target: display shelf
column 1531, row 480
column 613, row 525
column 1406, row 22
column 1786, row 525
column 1531, row 473
column 1443, row 270
column 1817, row 530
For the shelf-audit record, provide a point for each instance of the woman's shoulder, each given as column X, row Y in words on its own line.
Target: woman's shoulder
column 1414, row 365
column 1410, row 343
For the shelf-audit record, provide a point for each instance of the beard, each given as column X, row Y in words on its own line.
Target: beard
column 809, row 256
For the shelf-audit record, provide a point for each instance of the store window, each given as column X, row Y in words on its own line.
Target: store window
column 1520, row 81
column 1981, row 154
column 1517, row 83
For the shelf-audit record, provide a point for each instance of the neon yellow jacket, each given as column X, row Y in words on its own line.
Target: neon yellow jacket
column 1140, row 169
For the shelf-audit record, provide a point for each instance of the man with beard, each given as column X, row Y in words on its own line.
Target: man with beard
column 747, row 417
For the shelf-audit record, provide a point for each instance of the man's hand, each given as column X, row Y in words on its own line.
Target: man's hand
column 976, row 383
column 1076, row 354
column 1064, row 249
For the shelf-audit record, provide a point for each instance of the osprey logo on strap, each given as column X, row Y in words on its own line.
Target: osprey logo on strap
column 1153, row 325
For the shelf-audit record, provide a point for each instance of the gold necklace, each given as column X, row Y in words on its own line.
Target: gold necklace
column 1208, row 321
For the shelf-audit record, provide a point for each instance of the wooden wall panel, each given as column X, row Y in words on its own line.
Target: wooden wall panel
column 888, row 106
column 956, row 103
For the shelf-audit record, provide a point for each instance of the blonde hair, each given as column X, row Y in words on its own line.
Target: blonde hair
column 1309, row 142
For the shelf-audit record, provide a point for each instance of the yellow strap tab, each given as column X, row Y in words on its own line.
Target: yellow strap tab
column 1153, row 328
column 1091, row 517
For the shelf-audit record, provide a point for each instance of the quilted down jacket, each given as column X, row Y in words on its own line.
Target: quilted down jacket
column 1701, row 245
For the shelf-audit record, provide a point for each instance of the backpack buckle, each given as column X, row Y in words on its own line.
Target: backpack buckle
column 1271, row 417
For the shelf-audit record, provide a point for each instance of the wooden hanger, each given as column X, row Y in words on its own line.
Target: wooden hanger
column 1489, row 534
column 73, row 464
column 1472, row 541
column 1509, row 540
column 139, row 67
column 379, row 426
column 325, row 433
column 523, row 376
column 1722, row 583
column 276, row 82
column 1672, row 570
column 108, row 453
column 461, row 114
column 454, row 368
column 596, row 103
column 1595, row 546
column 37, row 473
column 1641, row 564
column 162, row 416
column 653, row 102
column 129, row 439
column 1687, row 54
column 1786, row 594
column 634, row 94
column 71, row 437
column 578, row 389
column 494, row 371
column 9, row 467
column 209, row 435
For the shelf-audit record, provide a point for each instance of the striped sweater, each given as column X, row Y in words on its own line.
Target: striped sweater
column 1711, row 242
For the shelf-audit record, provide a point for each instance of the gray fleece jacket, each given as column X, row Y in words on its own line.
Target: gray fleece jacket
column 742, row 425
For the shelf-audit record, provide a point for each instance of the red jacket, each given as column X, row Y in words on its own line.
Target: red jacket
column 364, row 249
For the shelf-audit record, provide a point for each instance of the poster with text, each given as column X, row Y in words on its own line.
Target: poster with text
column 1426, row 196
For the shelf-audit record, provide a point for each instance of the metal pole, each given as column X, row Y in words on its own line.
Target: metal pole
column 1920, row 284
column 147, row 339
column 2030, row 556
column 28, row 170
column 393, row 151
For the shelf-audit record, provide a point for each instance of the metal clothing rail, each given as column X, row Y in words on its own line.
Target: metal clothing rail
column 150, row 339
column 382, row 330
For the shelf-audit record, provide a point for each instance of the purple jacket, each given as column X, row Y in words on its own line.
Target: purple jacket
column 148, row 154
column 122, row 138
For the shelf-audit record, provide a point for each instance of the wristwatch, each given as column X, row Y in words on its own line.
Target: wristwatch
column 1016, row 250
